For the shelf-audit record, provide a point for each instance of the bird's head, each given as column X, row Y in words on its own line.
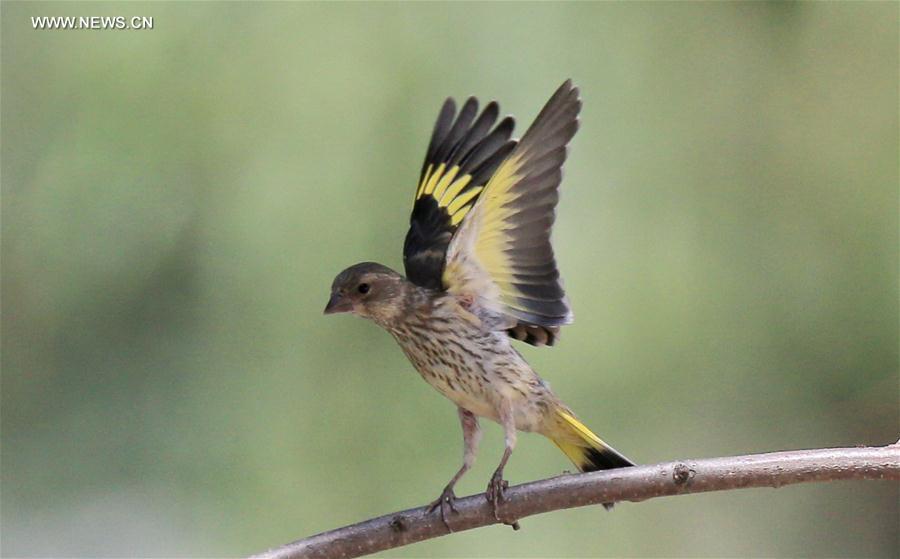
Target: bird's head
column 369, row 290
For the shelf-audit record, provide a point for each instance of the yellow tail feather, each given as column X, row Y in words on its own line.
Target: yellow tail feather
column 584, row 448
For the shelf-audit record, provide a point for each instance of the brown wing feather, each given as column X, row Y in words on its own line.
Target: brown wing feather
column 502, row 255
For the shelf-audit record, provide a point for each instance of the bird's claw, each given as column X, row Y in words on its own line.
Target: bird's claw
column 447, row 500
column 496, row 492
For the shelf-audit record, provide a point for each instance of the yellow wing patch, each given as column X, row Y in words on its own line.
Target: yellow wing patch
column 494, row 221
column 449, row 190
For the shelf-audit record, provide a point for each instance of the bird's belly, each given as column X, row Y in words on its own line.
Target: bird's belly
column 481, row 384
column 465, row 389
column 482, row 400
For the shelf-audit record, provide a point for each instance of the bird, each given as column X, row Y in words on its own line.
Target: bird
column 480, row 274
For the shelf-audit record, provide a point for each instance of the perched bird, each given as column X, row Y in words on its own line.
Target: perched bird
column 480, row 272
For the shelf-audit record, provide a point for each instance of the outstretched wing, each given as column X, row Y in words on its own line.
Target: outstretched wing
column 502, row 254
column 463, row 153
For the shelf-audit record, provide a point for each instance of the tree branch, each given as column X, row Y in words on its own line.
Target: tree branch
column 628, row 484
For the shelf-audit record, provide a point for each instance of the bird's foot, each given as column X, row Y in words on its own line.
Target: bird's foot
column 496, row 492
column 447, row 500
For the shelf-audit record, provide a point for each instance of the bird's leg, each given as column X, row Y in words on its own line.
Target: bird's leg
column 497, row 485
column 471, row 438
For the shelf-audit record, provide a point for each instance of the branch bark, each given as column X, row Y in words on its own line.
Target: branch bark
column 628, row 484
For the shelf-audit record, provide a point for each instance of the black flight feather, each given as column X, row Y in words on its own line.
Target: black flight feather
column 457, row 140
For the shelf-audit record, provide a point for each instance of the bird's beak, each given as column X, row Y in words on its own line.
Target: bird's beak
column 337, row 304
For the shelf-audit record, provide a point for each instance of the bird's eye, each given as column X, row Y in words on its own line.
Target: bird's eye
column 363, row 288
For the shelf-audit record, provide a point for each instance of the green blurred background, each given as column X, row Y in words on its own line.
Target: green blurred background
column 177, row 201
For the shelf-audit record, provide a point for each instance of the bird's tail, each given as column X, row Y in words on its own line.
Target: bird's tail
column 584, row 448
